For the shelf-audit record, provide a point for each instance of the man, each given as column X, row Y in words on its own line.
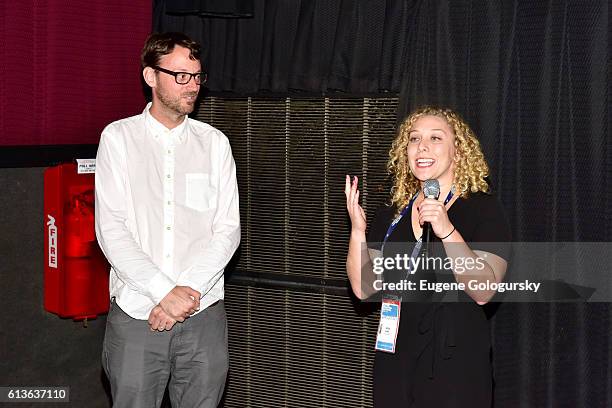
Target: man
column 167, row 219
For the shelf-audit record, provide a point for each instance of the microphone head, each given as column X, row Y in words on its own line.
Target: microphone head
column 431, row 188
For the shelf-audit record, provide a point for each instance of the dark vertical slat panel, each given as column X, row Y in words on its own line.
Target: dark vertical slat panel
column 292, row 155
column 268, row 213
column 297, row 349
column 306, row 166
column 379, row 132
column 345, row 132
column 290, row 348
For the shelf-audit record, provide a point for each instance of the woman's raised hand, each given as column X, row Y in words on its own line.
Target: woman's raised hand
column 356, row 213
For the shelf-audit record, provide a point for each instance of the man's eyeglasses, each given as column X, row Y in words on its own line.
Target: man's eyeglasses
column 183, row 78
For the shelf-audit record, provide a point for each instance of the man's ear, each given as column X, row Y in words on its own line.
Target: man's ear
column 149, row 76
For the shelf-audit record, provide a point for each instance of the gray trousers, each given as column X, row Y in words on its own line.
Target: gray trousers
column 192, row 356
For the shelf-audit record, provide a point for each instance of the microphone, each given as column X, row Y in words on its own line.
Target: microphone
column 431, row 189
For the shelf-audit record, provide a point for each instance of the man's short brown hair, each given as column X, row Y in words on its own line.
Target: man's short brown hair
column 160, row 44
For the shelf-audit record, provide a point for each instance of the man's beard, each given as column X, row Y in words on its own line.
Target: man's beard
column 174, row 104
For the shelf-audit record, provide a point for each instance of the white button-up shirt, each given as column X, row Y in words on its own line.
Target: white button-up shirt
column 166, row 210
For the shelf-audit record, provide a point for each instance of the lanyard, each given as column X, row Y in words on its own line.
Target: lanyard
column 417, row 246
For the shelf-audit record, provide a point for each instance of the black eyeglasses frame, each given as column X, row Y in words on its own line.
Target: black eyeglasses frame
column 203, row 75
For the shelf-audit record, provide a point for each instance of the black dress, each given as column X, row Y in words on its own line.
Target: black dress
column 443, row 349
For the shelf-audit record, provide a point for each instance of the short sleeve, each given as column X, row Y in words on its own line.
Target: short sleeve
column 379, row 225
column 492, row 232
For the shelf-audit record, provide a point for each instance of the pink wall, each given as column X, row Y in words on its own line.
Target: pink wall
column 68, row 68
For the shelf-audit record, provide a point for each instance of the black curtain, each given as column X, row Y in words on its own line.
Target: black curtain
column 531, row 77
column 309, row 45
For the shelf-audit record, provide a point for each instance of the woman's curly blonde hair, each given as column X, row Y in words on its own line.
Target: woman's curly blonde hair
column 470, row 165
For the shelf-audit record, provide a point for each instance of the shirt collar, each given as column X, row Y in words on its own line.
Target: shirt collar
column 161, row 132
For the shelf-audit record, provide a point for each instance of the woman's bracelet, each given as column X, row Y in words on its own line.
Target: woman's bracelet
column 449, row 234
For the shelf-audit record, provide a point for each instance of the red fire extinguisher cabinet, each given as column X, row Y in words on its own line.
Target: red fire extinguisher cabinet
column 76, row 272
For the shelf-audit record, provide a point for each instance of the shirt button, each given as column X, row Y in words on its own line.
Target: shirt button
column 169, row 202
column 169, row 151
column 168, row 228
column 167, row 176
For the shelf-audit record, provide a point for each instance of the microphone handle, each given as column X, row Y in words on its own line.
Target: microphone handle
column 427, row 235
column 426, row 239
column 427, row 232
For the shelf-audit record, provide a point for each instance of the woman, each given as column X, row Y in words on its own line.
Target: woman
column 442, row 349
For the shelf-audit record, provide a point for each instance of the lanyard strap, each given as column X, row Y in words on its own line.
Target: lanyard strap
column 419, row 242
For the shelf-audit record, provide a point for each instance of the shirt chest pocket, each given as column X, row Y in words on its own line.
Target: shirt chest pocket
column 200, row 194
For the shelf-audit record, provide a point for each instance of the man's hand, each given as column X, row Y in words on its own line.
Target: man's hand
column 160, row 320
column 181, row 302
